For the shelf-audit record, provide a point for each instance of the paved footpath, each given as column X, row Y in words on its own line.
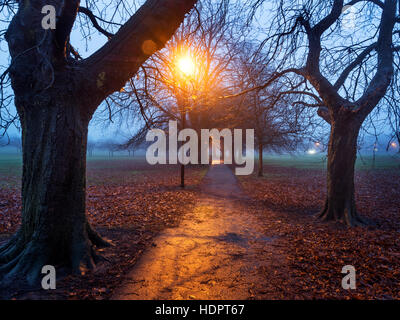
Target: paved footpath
column 211, row 255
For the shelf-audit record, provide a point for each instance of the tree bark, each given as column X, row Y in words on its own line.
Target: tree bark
column 54, row 229
column 340, row 202
column 55, row 99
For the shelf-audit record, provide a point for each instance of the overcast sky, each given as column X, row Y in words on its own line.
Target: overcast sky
column 86, row 48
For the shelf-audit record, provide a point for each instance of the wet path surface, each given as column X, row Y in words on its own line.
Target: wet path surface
column 213, row 254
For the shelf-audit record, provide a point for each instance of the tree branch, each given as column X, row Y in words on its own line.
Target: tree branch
column 381, row 80
column 330, row 19
column 342, row 78
column 377, row 2
column 93, row 19
column 323, row 112
column 273, row 77
column 312, row 71
column 65, row 23
column 144, row 33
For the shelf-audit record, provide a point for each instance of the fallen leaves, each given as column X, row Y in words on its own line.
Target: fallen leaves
column 128, row 202
column 316, row 252
column 10, row 210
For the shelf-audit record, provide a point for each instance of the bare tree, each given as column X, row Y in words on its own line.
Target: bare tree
column 345, row 75
column 278, row 120
column 91, row 145
column 163, row 91
column 56, row 93
column 131, row 150
column 110, row 146
column 4, row 141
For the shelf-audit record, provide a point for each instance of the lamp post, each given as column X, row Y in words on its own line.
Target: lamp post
column 186, row 68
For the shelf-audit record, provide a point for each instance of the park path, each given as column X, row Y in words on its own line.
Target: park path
column 213, row 254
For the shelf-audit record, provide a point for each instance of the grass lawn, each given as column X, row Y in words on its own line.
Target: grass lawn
column 318, row 161
column 119, row 169
column 101, row 169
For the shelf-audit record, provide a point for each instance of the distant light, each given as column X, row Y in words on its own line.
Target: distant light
column 394, row 145
column 375, row 149
column 312, row 151
column 317, row 144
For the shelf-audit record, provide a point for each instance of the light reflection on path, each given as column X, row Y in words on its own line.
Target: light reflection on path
column 213, row 254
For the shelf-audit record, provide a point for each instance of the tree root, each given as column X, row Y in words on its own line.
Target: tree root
column 21, row 262
column 11, row 249
column 96, row 239
column 349, row 216
column 27, row 263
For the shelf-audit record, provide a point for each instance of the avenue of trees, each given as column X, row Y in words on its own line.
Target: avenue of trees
column 222, row 65
column 281, row 67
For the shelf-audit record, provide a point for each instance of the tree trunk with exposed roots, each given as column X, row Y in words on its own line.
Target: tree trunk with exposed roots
column 55, row 97
column 54, row 230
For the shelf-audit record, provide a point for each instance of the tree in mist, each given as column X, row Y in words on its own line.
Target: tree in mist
column 110, row 146
column 279, row 122
column 393, row 102
column 91, row 145
column 163, row 91
column 342, row 73
column 131, row 151
column 56, row 93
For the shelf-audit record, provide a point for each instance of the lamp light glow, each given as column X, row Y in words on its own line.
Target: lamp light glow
column 186, row 66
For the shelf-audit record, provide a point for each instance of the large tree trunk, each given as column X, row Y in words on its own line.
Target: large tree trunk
column 340, row 202
column 54, row 228
column 55, row 97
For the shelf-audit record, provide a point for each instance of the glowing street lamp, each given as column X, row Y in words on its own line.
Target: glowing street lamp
column 186, row 65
